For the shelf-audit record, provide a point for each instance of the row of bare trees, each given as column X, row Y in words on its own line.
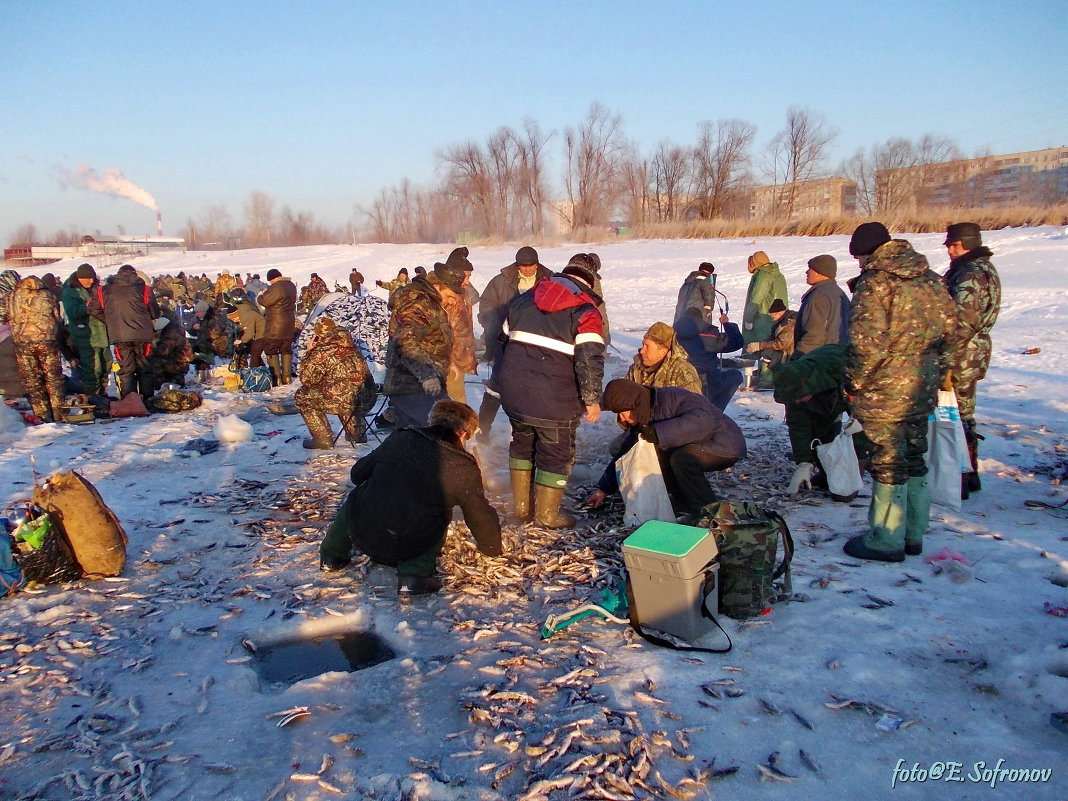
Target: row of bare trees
column 500, row 189
column 503, row 188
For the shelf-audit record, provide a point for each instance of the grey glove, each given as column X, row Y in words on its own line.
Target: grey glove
column 432, row 385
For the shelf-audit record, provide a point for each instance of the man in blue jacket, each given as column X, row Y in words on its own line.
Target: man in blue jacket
column 692, row 437
column 549, row 377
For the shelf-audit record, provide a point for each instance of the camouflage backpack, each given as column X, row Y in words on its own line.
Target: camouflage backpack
column 748, row 540
column 175, row 400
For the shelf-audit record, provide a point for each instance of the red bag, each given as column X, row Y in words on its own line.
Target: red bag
column 130, row 406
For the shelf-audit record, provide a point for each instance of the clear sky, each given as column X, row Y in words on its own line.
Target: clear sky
column 322, row 104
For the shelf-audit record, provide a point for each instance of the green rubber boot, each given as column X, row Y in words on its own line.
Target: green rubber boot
column 917, row 514
column 885, row 540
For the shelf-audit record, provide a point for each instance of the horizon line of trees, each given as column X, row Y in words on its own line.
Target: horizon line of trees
column 502, row 188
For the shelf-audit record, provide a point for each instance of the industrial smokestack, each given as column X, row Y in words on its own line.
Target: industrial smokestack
column 159, row 224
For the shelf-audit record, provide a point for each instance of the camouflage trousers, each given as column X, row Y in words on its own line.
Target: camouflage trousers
column 314, row 405
column 39, row 368
column 897, row 448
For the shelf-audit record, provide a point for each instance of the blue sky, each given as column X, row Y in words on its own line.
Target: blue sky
column 322, row 104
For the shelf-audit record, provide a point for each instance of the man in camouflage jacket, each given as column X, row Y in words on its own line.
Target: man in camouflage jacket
column 417, row 356
column 975, row 287
column 33, row 314
column 172, row 354
column 448, row 279
column 662, row 362
column 334, row 379
column 901, row 328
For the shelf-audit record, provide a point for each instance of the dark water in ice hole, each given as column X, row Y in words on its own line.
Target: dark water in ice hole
column 289, row 662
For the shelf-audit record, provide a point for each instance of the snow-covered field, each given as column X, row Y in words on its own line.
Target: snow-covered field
column 139, row 687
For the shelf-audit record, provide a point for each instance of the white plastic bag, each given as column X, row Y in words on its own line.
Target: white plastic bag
column 641, row 483
column 231, row 428
column 839, row 460
column 947, row 452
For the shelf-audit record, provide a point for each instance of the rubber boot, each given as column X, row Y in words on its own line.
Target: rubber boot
column 322, row 436
column 275, row 368
column 917, row 514
column 355, row 430
column 547, row 507
column 885, row 540
column 522, row 486
column 972, row 476
column 285, row 372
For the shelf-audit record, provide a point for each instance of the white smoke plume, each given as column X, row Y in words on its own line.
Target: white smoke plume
column 111, row 182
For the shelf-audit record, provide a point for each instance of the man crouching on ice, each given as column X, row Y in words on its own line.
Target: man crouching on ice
column 404, row 496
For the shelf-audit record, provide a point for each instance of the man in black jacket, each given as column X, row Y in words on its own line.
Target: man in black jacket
column 405, row 493
column 127, row 306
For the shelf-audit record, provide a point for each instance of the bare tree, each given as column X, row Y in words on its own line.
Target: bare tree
column 670, row 173
column 259, row 219
column 721, row 165
column 594, row 153
column 932, row 154
column 530, row 187
column 637, row 194
column 470, row 180
column 25, row 234
column 215, row 225
column 796, row 154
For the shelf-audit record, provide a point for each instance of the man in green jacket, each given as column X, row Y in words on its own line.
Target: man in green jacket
column 88, row 334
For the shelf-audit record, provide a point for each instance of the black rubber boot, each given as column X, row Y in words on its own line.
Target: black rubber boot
column 417, row 585
column 856, row 548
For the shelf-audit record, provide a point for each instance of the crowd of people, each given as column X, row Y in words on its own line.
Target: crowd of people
column 881, row 355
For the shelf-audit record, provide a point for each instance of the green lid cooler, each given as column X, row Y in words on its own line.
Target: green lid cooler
column 671, row 568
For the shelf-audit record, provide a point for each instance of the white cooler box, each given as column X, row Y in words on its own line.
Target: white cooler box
column 670, row 566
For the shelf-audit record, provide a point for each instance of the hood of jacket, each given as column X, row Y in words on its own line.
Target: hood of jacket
column 898, row 258
column 559, row 292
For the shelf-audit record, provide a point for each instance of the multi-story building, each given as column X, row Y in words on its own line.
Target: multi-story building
column 822, row 197
column 1032, row 178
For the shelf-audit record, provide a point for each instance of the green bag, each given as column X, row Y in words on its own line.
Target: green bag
column 175, row 400
column 748, row 538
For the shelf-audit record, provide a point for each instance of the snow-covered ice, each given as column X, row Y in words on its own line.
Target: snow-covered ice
column 140, row 685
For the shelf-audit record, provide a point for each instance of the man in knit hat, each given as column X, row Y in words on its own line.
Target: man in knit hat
column 823, row 317
column 88, row 334
column 661, row 361
column 698, row 290
column 704, row 343
column 518, row 277
column 780, row 346
column 420, row 345
column 448, row 279
column 975, row 287
column 692, row 437
column 549, row 377
column 279, row 302
column 894, row 366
